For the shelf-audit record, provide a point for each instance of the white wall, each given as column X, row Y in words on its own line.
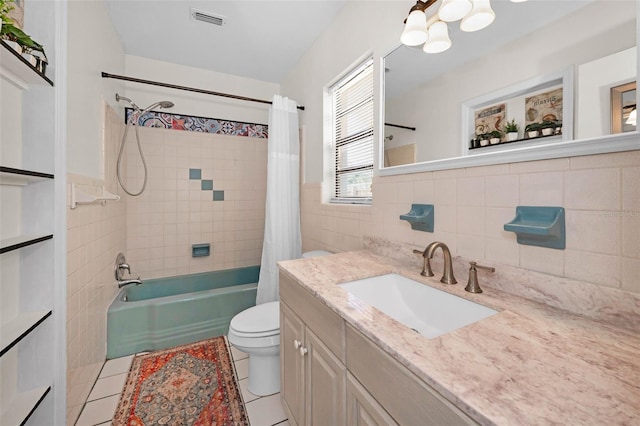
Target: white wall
column 596, row 79
column 361, row 28
column 193, row 103
column 93, row 47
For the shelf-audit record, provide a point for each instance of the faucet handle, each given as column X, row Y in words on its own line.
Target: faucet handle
column 472, row 285
column 426, row 266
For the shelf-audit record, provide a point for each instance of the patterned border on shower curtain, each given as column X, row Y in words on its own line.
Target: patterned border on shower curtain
column 192, row 123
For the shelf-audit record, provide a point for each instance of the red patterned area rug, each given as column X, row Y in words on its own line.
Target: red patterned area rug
column 193, row 384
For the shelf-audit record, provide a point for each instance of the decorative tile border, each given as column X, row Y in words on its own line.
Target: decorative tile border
column 192, row 123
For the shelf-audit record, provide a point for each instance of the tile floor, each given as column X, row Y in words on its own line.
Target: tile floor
column 100, row 405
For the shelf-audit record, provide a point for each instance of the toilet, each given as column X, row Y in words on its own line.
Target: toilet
column 256, row 331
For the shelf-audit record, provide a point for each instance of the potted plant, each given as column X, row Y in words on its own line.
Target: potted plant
column 484, row 139
column 532, row 130
column 511, row 129
column 548, row 127
column 6, row 7
column 32, row 50
column 495, row 136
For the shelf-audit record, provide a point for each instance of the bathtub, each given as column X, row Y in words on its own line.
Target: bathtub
column 166, row 312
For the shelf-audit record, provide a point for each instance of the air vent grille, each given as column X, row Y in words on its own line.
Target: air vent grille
column 208, row 17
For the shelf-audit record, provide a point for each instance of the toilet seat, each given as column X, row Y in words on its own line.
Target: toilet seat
column 259, row 321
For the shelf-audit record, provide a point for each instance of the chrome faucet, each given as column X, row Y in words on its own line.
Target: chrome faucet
column 123, row 283
column 447, row 274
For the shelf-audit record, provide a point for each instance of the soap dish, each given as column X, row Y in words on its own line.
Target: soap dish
column 539, row 226
column 420, row 217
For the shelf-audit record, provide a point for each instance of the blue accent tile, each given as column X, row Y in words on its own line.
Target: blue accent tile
column 207, row 185
column 195, row 174
column 218, row 195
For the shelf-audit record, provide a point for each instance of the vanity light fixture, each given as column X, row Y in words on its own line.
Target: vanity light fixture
column 433, row 32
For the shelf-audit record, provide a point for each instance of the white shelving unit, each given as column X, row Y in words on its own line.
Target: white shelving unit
column 33, row 226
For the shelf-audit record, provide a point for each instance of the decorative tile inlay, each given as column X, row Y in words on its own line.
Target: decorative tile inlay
column 207, row 185
column 195, row 174
column 192, row 123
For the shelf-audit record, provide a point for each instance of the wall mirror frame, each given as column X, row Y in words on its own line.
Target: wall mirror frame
column 566, row 147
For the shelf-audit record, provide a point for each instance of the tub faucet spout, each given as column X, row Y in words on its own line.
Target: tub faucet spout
column 447, row 274
column 122, row 283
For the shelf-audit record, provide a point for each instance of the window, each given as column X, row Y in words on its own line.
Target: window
column 352, row 126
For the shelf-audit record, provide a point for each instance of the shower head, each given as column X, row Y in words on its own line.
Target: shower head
column 161, row 104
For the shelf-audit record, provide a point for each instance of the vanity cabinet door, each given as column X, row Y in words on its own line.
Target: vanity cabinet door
column 325, row 384
column 362, row 408
column 291, row 365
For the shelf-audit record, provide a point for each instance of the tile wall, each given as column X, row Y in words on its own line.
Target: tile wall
column 95, row 235
column 202, row 188
column 600, row 193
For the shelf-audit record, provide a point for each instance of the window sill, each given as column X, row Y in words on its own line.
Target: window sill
column 350, row 201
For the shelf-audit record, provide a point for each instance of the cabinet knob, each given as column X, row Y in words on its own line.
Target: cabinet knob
column 303, row 351
column 297, row 344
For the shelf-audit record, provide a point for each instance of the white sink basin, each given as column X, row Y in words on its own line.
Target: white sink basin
column 428, row 311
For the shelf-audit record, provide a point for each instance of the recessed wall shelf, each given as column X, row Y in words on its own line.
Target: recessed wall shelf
column 549, row 137
column 200, row 250
column 21, row 177
column 420, row 217
column 13, row 62
column 18, row 328
column 539, row 226
column 78, row 196
column 16, row 243
column 23, row 405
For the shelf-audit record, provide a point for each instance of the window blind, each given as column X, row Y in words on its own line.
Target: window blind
column 353, row 134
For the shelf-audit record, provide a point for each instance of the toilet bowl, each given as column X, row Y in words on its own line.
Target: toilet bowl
column 256, row 331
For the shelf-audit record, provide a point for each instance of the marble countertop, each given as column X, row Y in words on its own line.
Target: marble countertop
column 528, row 364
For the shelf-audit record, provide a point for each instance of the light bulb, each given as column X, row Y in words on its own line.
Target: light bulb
column 415, row 30
column 481, row 16
column 439, row 40
column 453, row 10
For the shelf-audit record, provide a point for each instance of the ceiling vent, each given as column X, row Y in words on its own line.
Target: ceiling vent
column 208, row 17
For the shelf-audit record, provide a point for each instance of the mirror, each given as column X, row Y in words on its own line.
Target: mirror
column 531, row 49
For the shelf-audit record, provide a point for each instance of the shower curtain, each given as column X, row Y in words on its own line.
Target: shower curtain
column 282, row 240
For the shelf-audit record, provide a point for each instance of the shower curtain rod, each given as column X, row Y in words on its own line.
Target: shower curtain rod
column 400, row 127
column 185, row 88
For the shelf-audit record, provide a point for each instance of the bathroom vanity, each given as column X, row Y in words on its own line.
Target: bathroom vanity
column 320, row 352
column 345, row 362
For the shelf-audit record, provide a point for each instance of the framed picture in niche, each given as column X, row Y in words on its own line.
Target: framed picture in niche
column 490, row 118
column 623, row 108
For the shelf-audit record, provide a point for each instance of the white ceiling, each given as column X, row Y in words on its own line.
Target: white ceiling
column 260, row 39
